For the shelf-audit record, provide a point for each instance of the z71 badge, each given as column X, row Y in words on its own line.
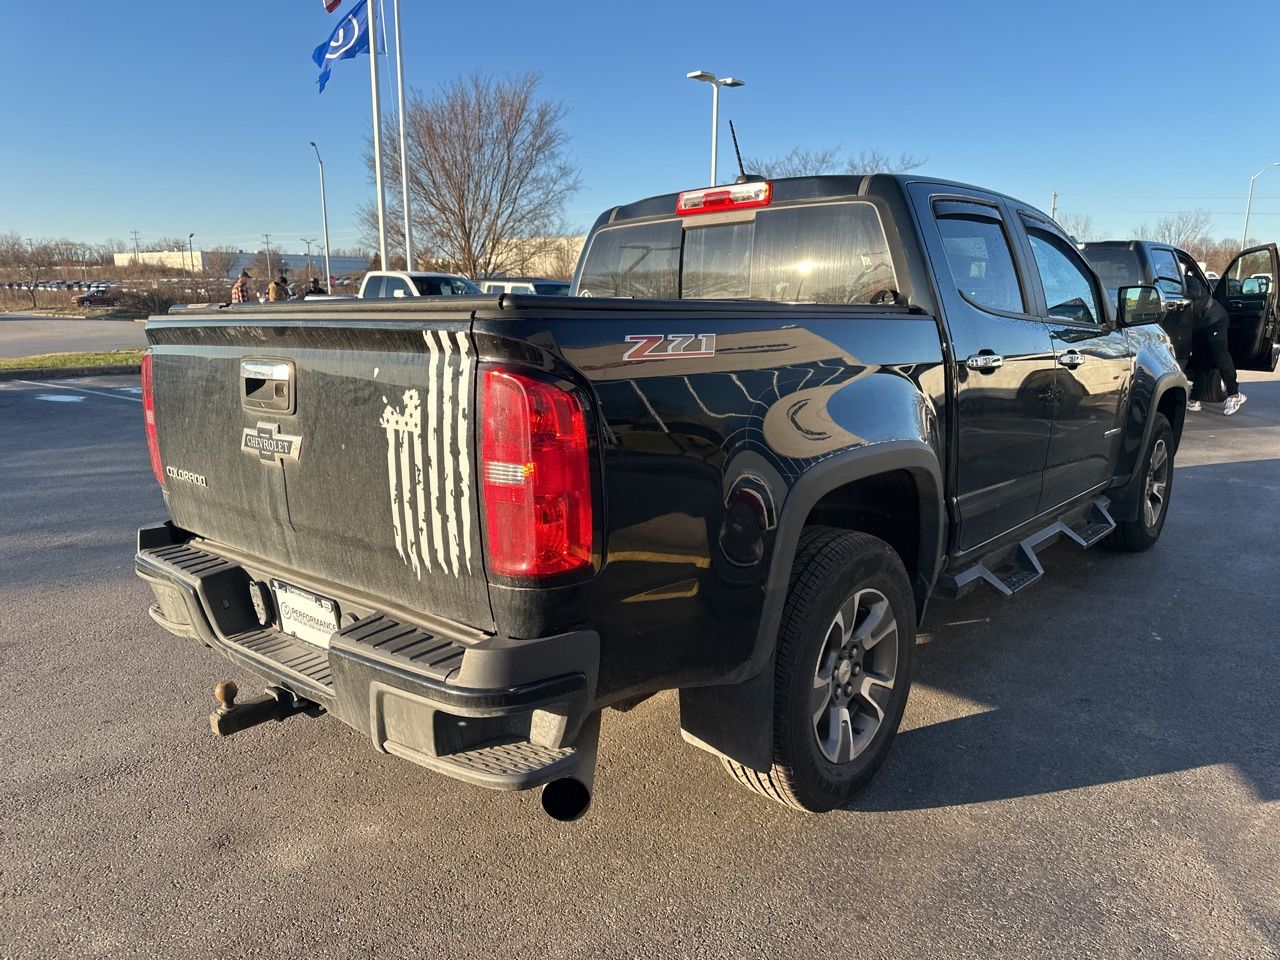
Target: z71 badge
column 270, row 444
column 670, row 346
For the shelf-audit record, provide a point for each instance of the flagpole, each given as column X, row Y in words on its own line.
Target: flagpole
column 377, row 135
column 404, row 145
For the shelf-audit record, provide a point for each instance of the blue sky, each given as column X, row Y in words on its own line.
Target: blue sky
column 194, row 115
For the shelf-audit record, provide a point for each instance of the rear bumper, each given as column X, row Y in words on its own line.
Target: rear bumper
column 494, row 711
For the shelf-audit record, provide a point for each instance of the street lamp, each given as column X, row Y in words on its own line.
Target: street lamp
column 716, row 84
column 1244, row 241
column 308, row 243
column 191, row 253
column 324, row 216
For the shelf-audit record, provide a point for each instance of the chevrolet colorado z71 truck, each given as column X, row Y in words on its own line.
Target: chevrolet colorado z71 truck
column 773, row 422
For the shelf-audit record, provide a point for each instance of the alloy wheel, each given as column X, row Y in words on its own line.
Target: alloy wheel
column 854, row 675
column 1157, row 485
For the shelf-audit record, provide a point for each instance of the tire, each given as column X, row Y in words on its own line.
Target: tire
column 1135, row 536
column 1213, row 390
column 818, row 762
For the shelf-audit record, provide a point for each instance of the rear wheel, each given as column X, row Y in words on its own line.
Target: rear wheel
column 843, row 671
column 1156, row 473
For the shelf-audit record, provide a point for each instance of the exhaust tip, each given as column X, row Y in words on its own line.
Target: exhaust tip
column 566, row 800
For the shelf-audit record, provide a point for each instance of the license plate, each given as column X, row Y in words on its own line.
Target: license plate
column 305, row 615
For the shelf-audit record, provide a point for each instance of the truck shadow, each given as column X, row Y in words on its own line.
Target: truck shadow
column 1114, row 667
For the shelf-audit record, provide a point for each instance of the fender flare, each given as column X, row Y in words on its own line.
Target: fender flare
column 735, row 719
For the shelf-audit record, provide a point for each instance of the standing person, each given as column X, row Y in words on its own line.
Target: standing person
column 1209, row 324
column 242, row 289
column 279, row 289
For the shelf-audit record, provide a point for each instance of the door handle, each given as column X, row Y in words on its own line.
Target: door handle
column 984, row 362
column 1237, row 304
column 1071, row 359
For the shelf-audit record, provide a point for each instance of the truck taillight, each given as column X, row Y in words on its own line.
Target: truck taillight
column 537, row 480
column 735, row 196
column 149, row 419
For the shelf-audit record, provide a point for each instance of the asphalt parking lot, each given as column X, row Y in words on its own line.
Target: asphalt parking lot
column 23, row 335
column 1090, row 770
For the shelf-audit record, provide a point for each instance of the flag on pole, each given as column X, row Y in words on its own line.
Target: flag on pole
column 349, row 39
column 331, row 5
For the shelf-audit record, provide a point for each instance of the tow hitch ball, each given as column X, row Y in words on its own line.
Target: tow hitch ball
column 276, row 703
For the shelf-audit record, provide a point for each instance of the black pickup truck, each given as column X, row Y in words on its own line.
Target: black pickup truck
column 1247, row 290
column 774, row 420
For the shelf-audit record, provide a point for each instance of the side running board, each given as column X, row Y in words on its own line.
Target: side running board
column 1015, row 567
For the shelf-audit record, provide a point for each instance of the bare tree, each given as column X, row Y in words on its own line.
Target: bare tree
column 1078, row 226
column 873, row 161
column 797, row 162
column 34, row 261
column 1188, row 229
column 218, row 260
column 488, row 174
column 561, row 259
column 802, row 162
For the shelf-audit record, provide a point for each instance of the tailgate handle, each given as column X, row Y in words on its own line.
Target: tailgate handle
column 267, row 385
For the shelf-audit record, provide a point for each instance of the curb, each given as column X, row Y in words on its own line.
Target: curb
column 62, row 373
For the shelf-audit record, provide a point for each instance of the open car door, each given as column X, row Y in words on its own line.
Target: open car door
column 1248, row 289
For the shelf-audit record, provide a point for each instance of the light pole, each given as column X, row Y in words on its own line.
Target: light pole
column 324, row 217
column 716, row 84
column 191, row 253
column 1248, row 207
column 308, row 243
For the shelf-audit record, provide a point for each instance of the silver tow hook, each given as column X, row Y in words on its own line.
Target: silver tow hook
column 276, row 703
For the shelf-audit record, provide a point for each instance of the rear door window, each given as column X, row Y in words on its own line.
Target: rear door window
column 981, row 262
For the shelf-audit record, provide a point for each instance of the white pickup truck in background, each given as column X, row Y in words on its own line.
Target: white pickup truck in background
column 385, row 284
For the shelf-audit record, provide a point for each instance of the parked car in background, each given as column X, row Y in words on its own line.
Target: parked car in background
column 94, row 298
column 1245, row 290
column 380, row 284
column 535, row 285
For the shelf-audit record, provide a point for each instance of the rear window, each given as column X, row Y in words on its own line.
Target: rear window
column 551, row 289
column 444, row 286
column 817, row 253
column 1116, row 267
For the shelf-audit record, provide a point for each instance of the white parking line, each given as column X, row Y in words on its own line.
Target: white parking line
column 96, row 393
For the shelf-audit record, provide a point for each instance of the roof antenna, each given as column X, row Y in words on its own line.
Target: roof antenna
column 743, row 176
column 742, row 171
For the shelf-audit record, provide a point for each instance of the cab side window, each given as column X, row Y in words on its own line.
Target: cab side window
column 1068, row 287
column 1166, row 271
column 979, row 257
column 394, row 286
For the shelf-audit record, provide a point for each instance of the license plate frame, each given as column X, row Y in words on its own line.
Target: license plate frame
column 305, row 615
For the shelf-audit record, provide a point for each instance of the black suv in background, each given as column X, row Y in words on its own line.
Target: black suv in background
column 1247, row 289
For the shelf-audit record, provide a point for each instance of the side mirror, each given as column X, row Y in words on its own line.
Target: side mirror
column 398, row 294
column 1136, row 306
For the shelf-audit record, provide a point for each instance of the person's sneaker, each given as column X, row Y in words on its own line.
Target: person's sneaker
column 1193, row 406
column 1234, row 403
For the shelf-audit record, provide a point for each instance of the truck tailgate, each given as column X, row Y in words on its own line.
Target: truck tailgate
column 341, row 450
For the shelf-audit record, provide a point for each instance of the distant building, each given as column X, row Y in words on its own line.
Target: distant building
column 180, row 261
